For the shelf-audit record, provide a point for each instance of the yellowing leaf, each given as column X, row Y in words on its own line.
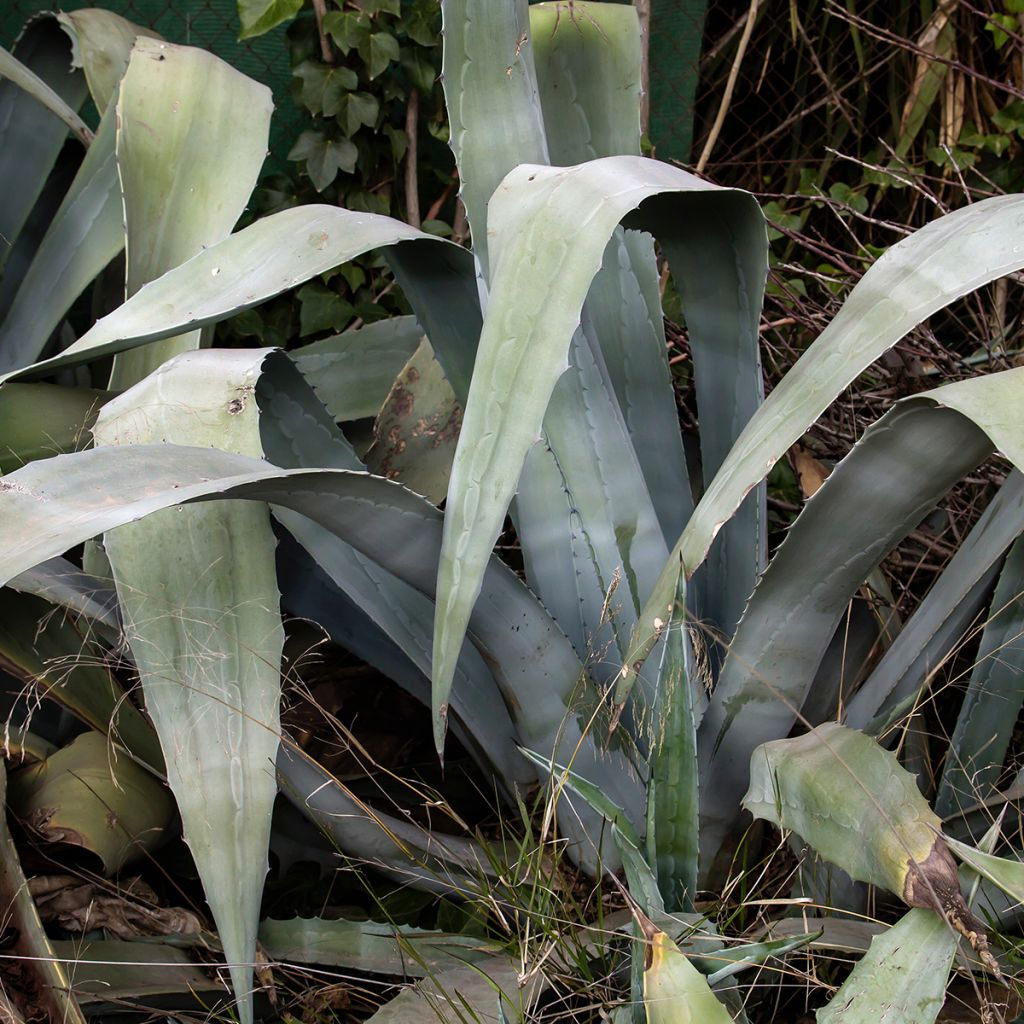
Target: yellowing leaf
column 675, row 992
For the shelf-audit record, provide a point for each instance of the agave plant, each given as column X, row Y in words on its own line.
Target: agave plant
column 588, row 677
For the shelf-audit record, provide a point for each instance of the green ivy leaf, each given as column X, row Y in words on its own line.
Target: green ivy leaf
column 387, row 6
column 399, row 141
column 356, row 109
column 354, row 275
column 378, row 50
column 259, row 16
column 1001, row 25
column 348, row 29
column 322, row 86
column 421, row 26
column 324, row 157
column 322, row 309
column 419, row 68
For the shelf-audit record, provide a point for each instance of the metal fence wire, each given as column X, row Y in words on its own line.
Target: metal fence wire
column 768, row 81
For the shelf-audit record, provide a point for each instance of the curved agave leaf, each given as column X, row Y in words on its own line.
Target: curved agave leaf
column 547, row 228
column 86, row 233
column 296, row 432
column 994, row 695
column 31, row 139
column 945, row 614
column 903, row 975
column 63, row 584
column 395, row 846
column 101, row 43
column 25, row 78
column 925, row 272
column 591, row 457
column 50, row 506
column 88, row 229
column 920, row 449
column 191, row 139
column 589, row 86
column 858, row 807
column 245, row 269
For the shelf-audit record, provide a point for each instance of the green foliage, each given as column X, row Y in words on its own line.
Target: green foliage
column 357, row 76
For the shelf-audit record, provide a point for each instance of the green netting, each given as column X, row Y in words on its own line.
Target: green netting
column 211, row 24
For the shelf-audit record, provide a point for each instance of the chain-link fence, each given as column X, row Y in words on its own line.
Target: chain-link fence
column 805, row 74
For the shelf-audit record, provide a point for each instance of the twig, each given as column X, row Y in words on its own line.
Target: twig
column 730, row 85
column 412, row 191
column 320, row 10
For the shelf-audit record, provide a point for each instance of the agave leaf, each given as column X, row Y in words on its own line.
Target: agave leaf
column 101, row 42
column 524, row 344
column 370, row 946
column 921, row 449
column 205, row 632
column 111, row 971
column 902, row 977
column 589, row 86
column 189, row 126
column 601, row 474
column 41, row 647
column 416, row 429
column 488, row 992
column 248, row 267
column 675, row 992
column 88, row 229
column 672, row 788
column 984, row 727
column 733, row 959
column 853, row 802
column 944, row 616
column 488, row 65
column 1008, row 875
column 588, row 81
column 51, row 982
column 88, row 796
column 353, row 373
column 25, row 78
column 31, row 139
column 925, row 272
column 85, row 234
column 296, row 432
column 40, row 420
column 593, row 458
column 641, row 878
